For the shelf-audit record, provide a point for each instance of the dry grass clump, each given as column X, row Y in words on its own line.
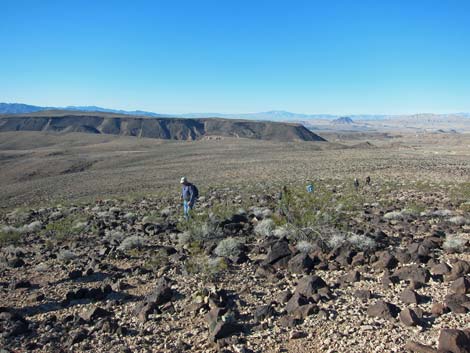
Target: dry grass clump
column 304, row 246
column 359, row 242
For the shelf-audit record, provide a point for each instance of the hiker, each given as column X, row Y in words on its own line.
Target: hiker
column 310, row 187
column 368, row 180
column 189, row 194
column 356, row 183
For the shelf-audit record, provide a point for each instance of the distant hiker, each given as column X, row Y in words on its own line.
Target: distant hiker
column 368, row 180
column 189, row 194
column 310, row 187
column 356, row 183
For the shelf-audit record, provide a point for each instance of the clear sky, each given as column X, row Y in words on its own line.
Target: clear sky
column 175, row 56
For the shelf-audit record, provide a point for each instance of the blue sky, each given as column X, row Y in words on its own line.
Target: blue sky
column 338, row 56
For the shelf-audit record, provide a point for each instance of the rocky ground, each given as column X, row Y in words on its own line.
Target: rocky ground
column 384, row 268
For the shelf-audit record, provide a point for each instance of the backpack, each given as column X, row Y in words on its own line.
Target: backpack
column 195, row 192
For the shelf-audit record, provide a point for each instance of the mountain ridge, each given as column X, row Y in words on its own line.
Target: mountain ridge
column 168, row 128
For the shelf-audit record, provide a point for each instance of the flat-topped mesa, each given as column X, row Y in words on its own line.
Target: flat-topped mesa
column 150, row 127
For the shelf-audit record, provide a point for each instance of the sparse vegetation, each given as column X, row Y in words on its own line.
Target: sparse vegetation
column 454, row 244
column 304, row 246
column 64, row 228
column 198, row 263
column 265, row 227
column 228, row 247
column 458, row 220
column 9, row 235
column 66, row 255
column 132, row 242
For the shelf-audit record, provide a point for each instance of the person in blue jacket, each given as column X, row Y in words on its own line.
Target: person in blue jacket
column 189, row 194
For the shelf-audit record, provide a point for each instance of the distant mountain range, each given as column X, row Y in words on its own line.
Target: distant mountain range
column 18, row 108
column 274, row 115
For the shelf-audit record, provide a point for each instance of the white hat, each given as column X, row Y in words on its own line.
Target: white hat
column 183, row 180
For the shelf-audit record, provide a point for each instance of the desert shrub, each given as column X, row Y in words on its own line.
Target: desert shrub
column 304, row 246
column 208, row 269
column 205, row 231
column 461, row 193
column 362, row 242
column 358, row 242
column 414, row 208
column 458, row 220
column 201, row 228
column 152, row 218
column 393, row 215
column 442, row 213
column 295, row 233
column 184, row 238
column 454, row 244
column 261, row 212
column 264, row 227
column 216, row 265
column 42, row 267
column 132, row 242
column 166, row 212
column 64, row 228
column 410, row 212
column 322, row 207
column 283, row 231
column 157, row 260
column 79, row 226
column 32, row 227
column 9, row 235
column 66, row 255
column 18, row 216
column 335, row 240
column 465, row 206
column 130, row 216
column 228, row 247
column 224, row 210
column 114, row 237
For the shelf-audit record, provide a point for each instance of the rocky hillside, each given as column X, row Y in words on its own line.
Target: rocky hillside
column 252, row 275
column 161, row 128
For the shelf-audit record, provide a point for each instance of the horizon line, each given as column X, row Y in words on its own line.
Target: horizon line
column 130, row 110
